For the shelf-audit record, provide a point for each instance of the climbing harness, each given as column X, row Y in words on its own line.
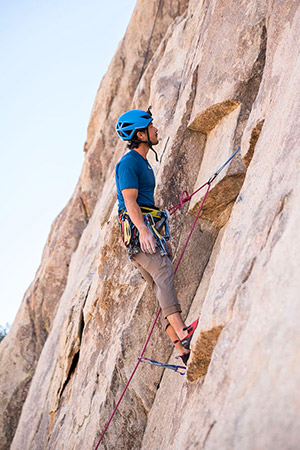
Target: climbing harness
column 172, row 210
column 155, row 220
column 164, row 365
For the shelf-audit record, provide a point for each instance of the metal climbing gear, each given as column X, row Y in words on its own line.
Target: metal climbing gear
column 155, row 220
column 177, row 369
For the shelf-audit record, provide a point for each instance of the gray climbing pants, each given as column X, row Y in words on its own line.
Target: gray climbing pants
column 158, row 271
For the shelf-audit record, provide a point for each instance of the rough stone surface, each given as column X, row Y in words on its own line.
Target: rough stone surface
column 217, row 76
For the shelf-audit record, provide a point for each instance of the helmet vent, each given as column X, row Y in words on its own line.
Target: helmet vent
column 127, row 132
column 132, row 121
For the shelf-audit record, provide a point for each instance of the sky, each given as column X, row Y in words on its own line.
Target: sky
column 53, row 56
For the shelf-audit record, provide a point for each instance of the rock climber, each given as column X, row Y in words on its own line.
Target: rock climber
column 139, row 220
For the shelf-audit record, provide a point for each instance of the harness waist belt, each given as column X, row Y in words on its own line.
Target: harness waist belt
column 154, row 219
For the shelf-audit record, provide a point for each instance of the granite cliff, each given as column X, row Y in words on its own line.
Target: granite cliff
column 218, row 74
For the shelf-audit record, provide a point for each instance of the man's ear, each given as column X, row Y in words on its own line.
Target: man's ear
column 140, row 135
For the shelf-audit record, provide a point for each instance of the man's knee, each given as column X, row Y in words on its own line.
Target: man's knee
column 167, row 311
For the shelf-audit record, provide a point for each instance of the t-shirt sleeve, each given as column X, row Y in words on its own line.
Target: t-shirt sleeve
column 128, row 176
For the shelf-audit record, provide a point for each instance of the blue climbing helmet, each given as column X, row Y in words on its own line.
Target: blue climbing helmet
column 132, row 121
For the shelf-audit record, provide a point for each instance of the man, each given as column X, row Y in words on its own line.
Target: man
column 137, row 212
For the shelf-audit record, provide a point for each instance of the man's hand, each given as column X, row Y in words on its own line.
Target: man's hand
column 147, row 241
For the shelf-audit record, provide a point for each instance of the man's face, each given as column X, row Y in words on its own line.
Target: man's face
column 153, row 134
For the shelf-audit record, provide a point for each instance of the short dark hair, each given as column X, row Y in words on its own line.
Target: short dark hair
column 134, row 141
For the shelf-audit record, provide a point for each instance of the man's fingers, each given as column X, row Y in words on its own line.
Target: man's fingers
column 149, row 246
column 153, row 245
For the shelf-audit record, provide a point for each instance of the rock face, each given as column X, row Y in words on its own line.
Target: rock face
column 217, row 76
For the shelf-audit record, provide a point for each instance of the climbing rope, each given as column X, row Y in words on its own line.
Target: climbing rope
column 172, row 210
column 188, row 197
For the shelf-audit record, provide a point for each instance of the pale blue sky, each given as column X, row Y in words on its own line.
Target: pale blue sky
column 53, row 56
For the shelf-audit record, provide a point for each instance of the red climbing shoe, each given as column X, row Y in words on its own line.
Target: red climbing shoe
column 185, row 358
column 185, row 342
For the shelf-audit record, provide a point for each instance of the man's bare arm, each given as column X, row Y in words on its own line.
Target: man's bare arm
column 147, row 240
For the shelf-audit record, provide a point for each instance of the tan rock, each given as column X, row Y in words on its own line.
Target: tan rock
column 220, row 132
column 21, row 349
column 216, row 77
column 246, row 397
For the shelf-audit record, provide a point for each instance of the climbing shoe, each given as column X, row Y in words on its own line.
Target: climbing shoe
column 185, row 358
column 185, row 342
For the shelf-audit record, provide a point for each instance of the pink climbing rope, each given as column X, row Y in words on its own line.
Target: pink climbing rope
column 182, row 201
column 129, row 380
column 172, row 210
column 194, row 224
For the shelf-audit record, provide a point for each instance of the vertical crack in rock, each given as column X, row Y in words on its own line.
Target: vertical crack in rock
column 253, row 140
column 221, row 198
column 164, row 149
column 31, row 349
column 36, row 432
column 84, row 205
column 248, row 271
column 202, row 353
column 149, row 42
column 15, row 403
column 178, row 176
column 75, row 357
column 247, row 91
column 208, row 432
column 278, row 223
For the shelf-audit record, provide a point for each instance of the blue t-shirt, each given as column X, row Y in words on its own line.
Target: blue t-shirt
column 134, row 171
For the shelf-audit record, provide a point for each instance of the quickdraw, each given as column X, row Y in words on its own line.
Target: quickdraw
column 177, row 369
column 155, row 220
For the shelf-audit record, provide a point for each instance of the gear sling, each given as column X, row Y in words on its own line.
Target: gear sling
column 155, row 220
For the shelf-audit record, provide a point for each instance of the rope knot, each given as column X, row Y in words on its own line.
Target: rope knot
column 186, row 199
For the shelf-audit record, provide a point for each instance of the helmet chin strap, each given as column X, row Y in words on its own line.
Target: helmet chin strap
column 150, row 145
column 135, row 141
